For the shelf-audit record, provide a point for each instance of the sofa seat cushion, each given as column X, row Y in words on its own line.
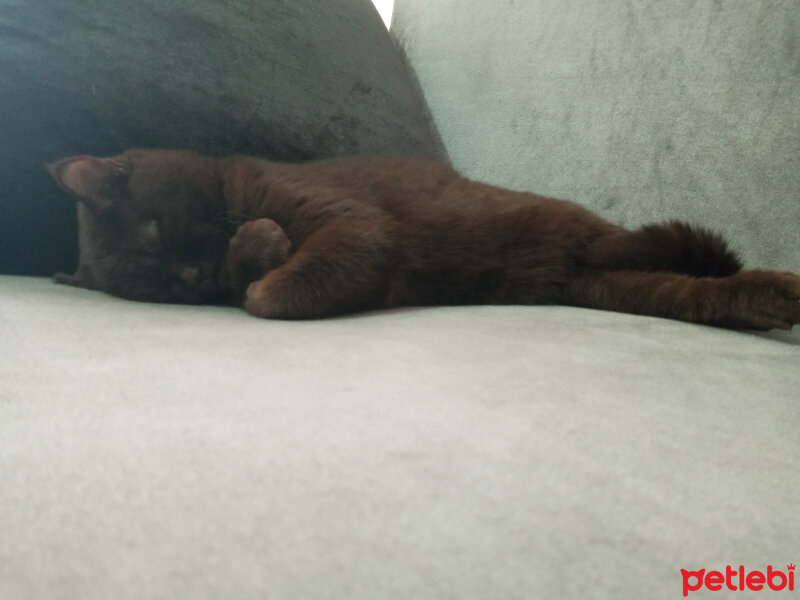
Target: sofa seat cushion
column 157, row 451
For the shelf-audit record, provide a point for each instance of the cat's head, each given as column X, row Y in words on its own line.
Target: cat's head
column 151, row 223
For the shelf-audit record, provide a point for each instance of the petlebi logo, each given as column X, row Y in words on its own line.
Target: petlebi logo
column 738, row 579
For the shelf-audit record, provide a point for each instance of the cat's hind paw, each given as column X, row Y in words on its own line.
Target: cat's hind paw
column 766, row 299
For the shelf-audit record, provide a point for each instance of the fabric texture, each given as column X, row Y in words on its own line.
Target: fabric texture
column 641, row 110
column 158, row 452
column 155, row 452
column 284, row 80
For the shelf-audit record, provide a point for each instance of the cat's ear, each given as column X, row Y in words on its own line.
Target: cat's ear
column 96, row 182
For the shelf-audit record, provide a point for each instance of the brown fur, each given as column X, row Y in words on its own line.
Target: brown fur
column 326, row 238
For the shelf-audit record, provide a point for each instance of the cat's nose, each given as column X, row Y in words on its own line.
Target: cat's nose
column 188, row 275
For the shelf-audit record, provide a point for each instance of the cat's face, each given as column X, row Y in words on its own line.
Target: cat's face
column 152, row 225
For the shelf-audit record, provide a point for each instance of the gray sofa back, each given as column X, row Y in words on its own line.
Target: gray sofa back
column 284, row 80
column 643, row 110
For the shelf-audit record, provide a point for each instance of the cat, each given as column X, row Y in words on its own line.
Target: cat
column 312, row 240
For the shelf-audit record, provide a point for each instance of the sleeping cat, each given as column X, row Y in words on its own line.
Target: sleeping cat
column 325, row 238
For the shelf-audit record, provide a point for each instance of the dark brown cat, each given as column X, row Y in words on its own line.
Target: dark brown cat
column 326, row 238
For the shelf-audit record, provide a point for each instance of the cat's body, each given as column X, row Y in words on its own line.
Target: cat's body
column 414, row 233
column 320, row 239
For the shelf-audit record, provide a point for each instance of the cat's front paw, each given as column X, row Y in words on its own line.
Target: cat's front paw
column 765, row 299
column 258, row 247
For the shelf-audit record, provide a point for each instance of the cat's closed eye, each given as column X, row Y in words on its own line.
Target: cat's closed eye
column 149, row 237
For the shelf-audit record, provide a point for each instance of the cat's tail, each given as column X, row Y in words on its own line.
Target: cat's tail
column 673, row 247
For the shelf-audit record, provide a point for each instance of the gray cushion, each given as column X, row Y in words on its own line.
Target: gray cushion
column 427, row 454
column 638, row 109
column 287, row 80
